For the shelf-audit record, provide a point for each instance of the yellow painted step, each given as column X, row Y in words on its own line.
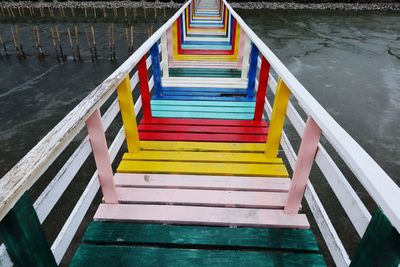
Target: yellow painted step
column 202, row 146
column 209, row 168
column 201, row 156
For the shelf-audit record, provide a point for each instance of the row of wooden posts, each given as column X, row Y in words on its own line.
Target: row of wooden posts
column 21, row 12
column 73, row 39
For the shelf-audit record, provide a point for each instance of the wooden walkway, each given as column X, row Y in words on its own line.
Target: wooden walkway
column 196, row 187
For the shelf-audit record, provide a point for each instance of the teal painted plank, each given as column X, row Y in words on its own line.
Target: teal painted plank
column 195, row 236
column 155, row 107
column 22, row 234
column 380, row 245
column 202, row 115
column 109, row 256
column 203, row 103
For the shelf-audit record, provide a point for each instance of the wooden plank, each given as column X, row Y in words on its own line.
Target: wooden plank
column 201, row 197
column 222, row 91
column 202, row 103
column 23, row 236
column 164, row 55
column 101, row 156
column 201, row 215
column 201, row 156
column 269, row 184
column 235, row 169
column 304, row 162
column 195, row 236
column 212, row 109
column 110, row 256
column 277, row 119
column 380, row 245
column 144, row 87
column 202, row 146
column 262, row 89
column 201, row 137
column 128, row 115
column 238, row 123
column 204, row 72
column 203, row 115
column 203, row 129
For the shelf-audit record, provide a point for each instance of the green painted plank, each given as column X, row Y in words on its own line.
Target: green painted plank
column 202, row 115
column 109, row 256
column 203, row 103
column 22, row 234
column 194, row 236
column 155, row 107
column 380, row 245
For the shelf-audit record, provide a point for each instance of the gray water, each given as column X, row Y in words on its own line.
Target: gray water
column 349, row 61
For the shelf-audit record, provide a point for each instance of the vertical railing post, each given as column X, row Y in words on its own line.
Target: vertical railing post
column 128, row 115
column 251, row 82
column 262, row 89
column 23, row 236
column 98, row 142
column 305, row 158
column 277, row 119
column 155, row 63
column 144, row 87
column 164, row 55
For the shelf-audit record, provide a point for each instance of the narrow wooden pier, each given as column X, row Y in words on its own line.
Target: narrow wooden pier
column 204, row 179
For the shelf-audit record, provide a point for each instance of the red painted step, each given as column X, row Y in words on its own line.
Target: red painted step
column 167, row 136
column 216, row 122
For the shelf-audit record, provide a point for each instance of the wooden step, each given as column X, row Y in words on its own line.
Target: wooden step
column 202, row 146
column 203, row 129
column 195, row 236
column 201, row 157
column 207, row 168
column 109, row 256
column 255, row 184
column 201, row 137
column 196, row 197
column 201, row 215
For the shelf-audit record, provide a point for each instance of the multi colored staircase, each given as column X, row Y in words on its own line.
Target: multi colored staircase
column 198, row 158
column 204, row 180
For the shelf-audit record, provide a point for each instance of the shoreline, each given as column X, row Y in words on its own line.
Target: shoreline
column 382, row 6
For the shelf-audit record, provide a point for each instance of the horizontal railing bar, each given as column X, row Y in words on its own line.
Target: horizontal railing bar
column 325, row 225
column 25, row 173
column 348, row 198
column 378, row 184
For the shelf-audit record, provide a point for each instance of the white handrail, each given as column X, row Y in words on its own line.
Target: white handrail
column 26, row 172
column 378, row 184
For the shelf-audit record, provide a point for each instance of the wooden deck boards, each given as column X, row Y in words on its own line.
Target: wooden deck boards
column 127, row 244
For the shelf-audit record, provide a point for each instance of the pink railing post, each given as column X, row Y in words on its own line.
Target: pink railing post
column 98, row 142
column 305, row 158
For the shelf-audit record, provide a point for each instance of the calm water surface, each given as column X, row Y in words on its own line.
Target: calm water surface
column 349, row 61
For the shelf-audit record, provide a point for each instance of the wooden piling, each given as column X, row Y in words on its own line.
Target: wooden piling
column 90, row 45
column 41, row 54
column 62, row 55
column 144, row 11
column 113, row 42
column 71, row 44
column 131, row 50
column 85, row 12
column 4, row 47
column 109, row 42
column 23, row 12
column 77, row 44
column 94, row 12
column 125, row 12
column 104, row 13
column 134, row 14
column 155, row 11
column 53, row 37
column 94, row 43
column 17, row 52
column 165, row 15
column 19, row 41
column 2, row 11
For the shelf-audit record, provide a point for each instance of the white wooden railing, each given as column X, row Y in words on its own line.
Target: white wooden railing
column 378, row 184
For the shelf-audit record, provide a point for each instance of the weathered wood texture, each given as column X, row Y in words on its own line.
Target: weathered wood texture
column 196, row 236
column 23, row 236
column 380, row 245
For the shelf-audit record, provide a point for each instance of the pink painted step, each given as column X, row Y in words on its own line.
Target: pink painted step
column 196, row 197
column 256, row 184
column 201, row 215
